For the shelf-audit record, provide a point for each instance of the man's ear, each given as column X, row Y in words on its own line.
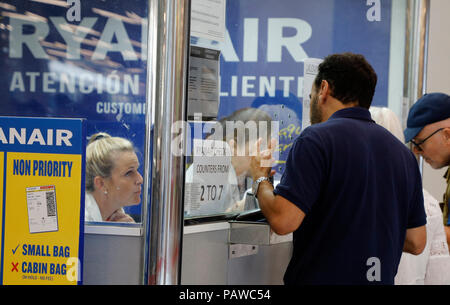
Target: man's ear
column 446, row 133
column 324, row 91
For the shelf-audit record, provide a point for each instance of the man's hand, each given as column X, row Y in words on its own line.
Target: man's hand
column 283, row 216
column 261, row 161
column 120, row 216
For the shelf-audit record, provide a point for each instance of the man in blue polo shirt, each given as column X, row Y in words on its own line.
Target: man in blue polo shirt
column 351, row 192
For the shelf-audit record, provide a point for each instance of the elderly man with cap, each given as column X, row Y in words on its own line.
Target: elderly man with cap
column 428, row 129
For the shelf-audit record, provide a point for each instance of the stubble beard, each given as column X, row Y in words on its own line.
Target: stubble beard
column 315, row 112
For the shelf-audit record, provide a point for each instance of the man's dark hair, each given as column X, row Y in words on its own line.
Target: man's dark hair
column 350, row 76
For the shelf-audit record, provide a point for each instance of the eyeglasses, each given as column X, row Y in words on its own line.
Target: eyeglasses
column 417, row 145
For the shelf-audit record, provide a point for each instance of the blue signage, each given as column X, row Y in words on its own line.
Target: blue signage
column 41, row 135
column 267, row 41
column 91, row 63
column 87, row 59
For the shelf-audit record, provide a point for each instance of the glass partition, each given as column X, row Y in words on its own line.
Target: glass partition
column 260, row 80
column 84, row 59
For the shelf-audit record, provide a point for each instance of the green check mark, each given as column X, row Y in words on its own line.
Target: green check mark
column 14, row 251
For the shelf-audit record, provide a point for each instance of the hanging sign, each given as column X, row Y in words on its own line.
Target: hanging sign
column 203, row 82
column 208, row 19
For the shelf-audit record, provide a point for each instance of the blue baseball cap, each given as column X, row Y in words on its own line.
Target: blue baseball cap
column 429, row 109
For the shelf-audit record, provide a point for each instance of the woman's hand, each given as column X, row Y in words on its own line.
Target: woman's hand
column 120, row 216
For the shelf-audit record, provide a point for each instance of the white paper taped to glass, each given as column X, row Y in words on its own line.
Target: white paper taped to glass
column 42, row 212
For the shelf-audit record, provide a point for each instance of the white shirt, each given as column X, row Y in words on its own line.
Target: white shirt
column 91, row 210
column 432, row 266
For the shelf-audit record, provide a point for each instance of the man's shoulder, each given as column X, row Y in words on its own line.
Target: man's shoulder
column 315, row 129
column 311, row 133
column 329, row 128
column 332, row 124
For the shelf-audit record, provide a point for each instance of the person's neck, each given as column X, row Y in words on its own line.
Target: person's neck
column 336, row 105
column 104, row 205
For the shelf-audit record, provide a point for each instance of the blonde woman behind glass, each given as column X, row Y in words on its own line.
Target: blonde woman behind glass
column 112, row 178
column 432, row 267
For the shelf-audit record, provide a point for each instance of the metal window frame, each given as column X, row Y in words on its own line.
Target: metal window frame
column 416, row 55
column 168, row 49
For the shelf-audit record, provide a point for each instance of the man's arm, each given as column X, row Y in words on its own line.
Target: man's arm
column 283, row 216
column 416, row 240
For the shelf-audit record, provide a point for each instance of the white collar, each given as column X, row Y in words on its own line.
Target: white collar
column 92, row 211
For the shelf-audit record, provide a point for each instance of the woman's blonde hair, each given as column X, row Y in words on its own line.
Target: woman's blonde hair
column 100, row 154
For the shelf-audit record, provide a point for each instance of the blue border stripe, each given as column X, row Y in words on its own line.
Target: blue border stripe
column 82, row 202
column 3, row 216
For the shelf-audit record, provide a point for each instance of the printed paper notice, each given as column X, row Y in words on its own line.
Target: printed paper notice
column 41, row 202
column 209, row 185
column 310, row 70
column 203, row 82
column 208, row 19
